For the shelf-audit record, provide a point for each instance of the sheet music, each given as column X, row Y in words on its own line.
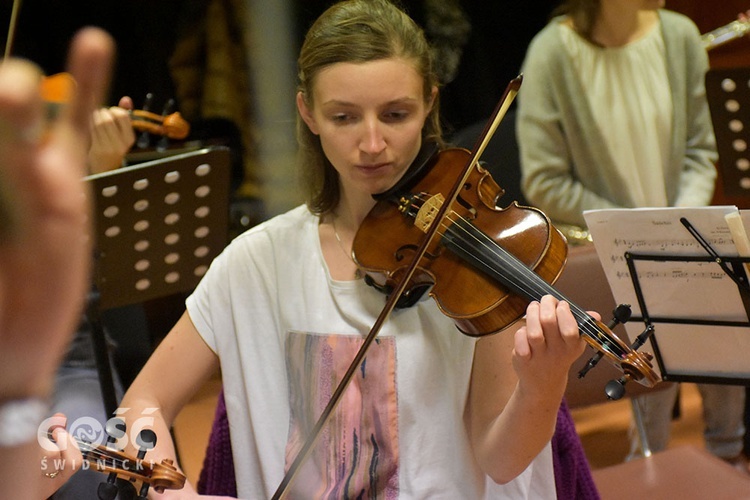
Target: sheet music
column 677, row 289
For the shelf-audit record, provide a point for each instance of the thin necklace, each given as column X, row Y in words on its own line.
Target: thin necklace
column 357, row 272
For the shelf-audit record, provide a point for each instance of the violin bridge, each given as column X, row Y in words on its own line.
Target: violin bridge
column 428, row 211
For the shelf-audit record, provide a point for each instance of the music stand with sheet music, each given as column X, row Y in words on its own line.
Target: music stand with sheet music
column 728, row 93
column 679, row 271
column 158, row 226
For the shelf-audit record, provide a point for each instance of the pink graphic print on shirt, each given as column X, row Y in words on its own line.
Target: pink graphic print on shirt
column 356, row 455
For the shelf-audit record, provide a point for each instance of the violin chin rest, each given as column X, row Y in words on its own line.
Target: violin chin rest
column 413, row 174
column 407, row 299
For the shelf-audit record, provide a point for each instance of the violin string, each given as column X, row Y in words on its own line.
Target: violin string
column 96, row 454
column 538, row 286
column 513, row 265
column 586, row 325
column 509, row 263
column 106, row 458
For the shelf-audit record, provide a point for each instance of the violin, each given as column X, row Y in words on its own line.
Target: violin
column 57, row 90
column 505, row 256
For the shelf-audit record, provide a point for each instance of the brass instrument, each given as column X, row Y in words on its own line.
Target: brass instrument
column 732, row 31
column 575, row 235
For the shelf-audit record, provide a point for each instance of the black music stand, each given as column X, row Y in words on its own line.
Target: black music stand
column 733, row 267
column 728, row 92
column 158, row 226
column 688, row 287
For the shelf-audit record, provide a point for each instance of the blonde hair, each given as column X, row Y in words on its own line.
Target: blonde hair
column 355, row 31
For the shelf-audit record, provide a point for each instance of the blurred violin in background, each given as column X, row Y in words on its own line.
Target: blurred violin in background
column 57, row 90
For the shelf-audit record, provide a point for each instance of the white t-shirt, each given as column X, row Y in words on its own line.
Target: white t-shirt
column 286, row 332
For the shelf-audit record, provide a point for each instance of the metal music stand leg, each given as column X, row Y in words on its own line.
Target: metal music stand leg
column 640, row 426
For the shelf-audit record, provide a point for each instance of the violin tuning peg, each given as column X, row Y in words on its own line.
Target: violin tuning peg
column 143, row 140
column 168, row 107
column 146, row 440
column 107, row 491
column 622, row 313
column 615, row 389
column 143, row 494
column 162, row 144
column 148, row 101
column 591, row 363
column 115, row 429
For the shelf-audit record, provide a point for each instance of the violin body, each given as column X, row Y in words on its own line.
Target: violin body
column 478, row 303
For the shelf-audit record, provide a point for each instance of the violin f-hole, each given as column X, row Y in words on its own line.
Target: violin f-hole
column 466, row 205
column 401, row 252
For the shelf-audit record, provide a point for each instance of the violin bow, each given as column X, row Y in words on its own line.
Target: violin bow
column 12, row 27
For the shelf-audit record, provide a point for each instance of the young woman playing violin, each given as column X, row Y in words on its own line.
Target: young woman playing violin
column 283, row 310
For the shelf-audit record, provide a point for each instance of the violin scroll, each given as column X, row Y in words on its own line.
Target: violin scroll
column 159, row 475
column 173, row 125
column 139, row 471
column 620, row 315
